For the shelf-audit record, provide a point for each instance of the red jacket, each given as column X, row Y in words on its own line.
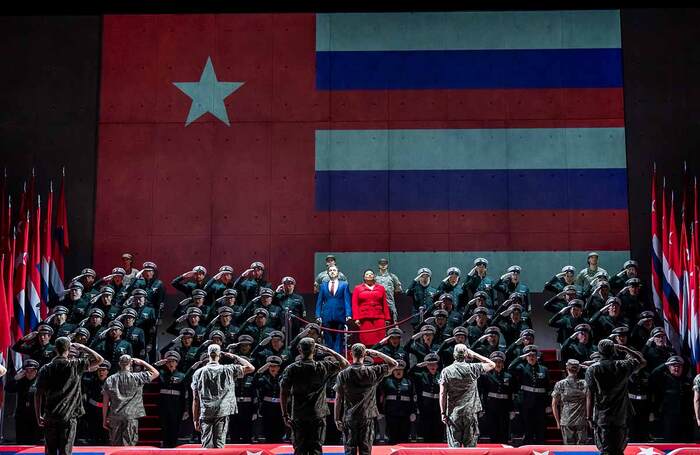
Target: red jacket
column 369, row 303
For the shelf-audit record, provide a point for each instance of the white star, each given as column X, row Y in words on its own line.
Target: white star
column 646, row 451
column 248, row 452
column 208, row 95
column 535, row 452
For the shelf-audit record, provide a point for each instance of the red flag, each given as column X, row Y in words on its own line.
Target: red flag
column 684, row 279
column 46, row 249
column 60, row 244
column 4, row 216
column 5, row 340
column 9, row 271
column 674, row 274
column 36, row 312
column 657, row 276
column 20, row 279
column 694, row 313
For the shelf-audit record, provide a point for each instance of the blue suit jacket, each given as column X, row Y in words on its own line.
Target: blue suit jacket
column 334, row 307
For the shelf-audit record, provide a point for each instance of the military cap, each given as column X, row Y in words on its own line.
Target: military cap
column 428, row 329
column 105, row 365
column 646, row 315
column 245, row 339
column 440, row 313
column 45, row 328
column 394, row 332
column 127, row 256
column 230, row 293
column 583, row 328
column 383, row 261
column 620, row 331
column 115, row 325
column 570, row 289
column 199, row 293
column 225, row 311
column 225, row 269
column 199, row 269
column 446, row 296
column 497, row 355
column 656, row 331
column 633, row 282
column 516, row 307
column 527, row 333
column 266, row 292
column 118, row 271
column 516, row 296
column 480, row 294
column 576, row 303
column 613, row 300
column 89, row 272
column 431, row 358
column 313, row 326
column 257, row 265
column 514, row 268
column 493, row 330
column 76, row 285
column 530, row 348
column 573, row 363
column 130, row 313
column 595, row 356
column 276, row 334
column 593, row 253
column 216, row 333
column 603, row 283
column 460, row 331
column 82, row 331
column 423, row 270
column 568, row 268
column 274, row 360
column 261, row 312
column 139, row 293
column 29, row 363
column 401, row 365
column 481, row 310
column 289, row 280
column 453, row 270
column 329, row 257
column 187, row 332
column 675, row 360
column 478, row 261
column 630, row 263
column 149, row 266
column 172, row 355
column 60, row 309
column 97, row 312
column 194, row 311
column 107, row 290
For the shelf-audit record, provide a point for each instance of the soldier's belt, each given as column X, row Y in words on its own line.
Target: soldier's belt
column 330, row 400
column 95, row 403
column 500, row 396
column 527, row 388
column 244, row 399
column 636, row 397
column 397, row 398
column 434, row 396
column 170, row 392
column 271, row 399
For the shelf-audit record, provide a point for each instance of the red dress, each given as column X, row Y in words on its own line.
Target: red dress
column 370, row 308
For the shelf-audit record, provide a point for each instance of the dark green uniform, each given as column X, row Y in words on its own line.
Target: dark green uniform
column 603, row 324
column 35, row 351
column 155, row 291
column 430, row 426
column 656, row 355
column 171, row 404
column 248, row 289
column 534, row 390
column 92, row 420
column 421, row 296
column 111, row 311
column 26, row 427
column 565, row 324
column 510, row 330
column 573, row 349
column 672, row 404
column 78, row 309
column 638, row 392
column 397, row 399
column 62, row 330
column 395, row 352
column 473, row 284
column 111, row 351
column 496, row 390
column 475, row 332
column 506, row 287
column 419, row 349
column 294, row 304
column 258, row 333
column 137, row 338
column 241, row 424
column 200, row 331
column 446, row 287
column 268, row 388
column 186, row 287
column 216, row 288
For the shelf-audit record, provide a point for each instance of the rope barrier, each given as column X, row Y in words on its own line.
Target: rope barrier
column 395, row 324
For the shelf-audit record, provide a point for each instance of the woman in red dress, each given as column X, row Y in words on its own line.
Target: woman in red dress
column 370, row 310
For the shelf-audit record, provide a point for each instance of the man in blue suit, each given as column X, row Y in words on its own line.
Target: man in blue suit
column 333, row 308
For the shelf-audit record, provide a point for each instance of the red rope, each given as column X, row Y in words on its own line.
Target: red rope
column 396, row 324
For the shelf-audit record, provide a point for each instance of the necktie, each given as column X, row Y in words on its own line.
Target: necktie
column 332, row 287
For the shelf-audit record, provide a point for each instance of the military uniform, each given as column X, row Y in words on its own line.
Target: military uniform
column 172, row 401
column 398, row 401
column 26, row 427
column 392, row 284
column 155, row 290
column 293, row 304
column 534, row 384
column 672, row 399
column 473, row 284
column 268, row 388
column 241, row 428
column 571, row 392
column 33, row 348
column 421, row 297
column 511, row 329
column 187, row 287
column 657, row 355
column 111, row 350
column 506, row 287
column 249, row 288
column 125, row 391
column 420, row 349
column 496, row 390
column 463, row 405
column 428, row 395
column 258, row 333
column 640, row 398
column 447, row 287
column 395, row 352
column 92, row 420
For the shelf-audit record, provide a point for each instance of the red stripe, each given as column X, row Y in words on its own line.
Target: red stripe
column 543, row 108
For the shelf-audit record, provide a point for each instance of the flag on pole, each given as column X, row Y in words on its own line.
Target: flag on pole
column 5, row 216
column 21, row 276
column 656, row 267
column 694, row 316
column 684, row 280
column 60, row 244
column 671, row 265
column 34, row 310
column 46, row 250
column 9, row 271
column 5, row 329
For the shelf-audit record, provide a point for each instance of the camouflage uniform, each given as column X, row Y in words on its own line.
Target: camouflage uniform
column 463, row 405
column 125, row 391
column 572, row 394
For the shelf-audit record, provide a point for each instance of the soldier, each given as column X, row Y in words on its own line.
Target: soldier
column 104, row 301
column 324, row 277
column 230, row 299
column 268, row 388
column 223, row 280
column 76, row 302
column 641, row 332
column 421, row 344
column 243, row 347
column 559, row 282
column 638, row 392
column 264, row 300
column 618, row 281
column 24, row 385
column 58, row 399
column 439, row 321
column 561, row 300
column 122, row 401
column 459, row 336
column 111, row 346
column 183, row 345
column 256, row 326
column 454, row 316
column 578, row 346
column 80, row 335
column 588, row 276
column 92, row 386
column 270, row 346
column 657, row 349
column 214, row 397
column 223, row 324
column 356, row 406
column 305, row 380
column 478, row 323
column 632, row 300
column 37, row 345
column 391, row 283
column 421, row 294
column 132, row 334
column 241, row 424
column 489, row 342
column 93, row 322
column 291, row 303
column 534, row 382
column 515, row 350
column 477, row 280
column 598, row 298
column 58, row 322
column 130, row 273
column 146, row 279
column 511, row 322
column 496, row 388
column 251, row 281
column 215, row 337
column 146, row 318
column 510, row 283
column 672, row 396
column 459, row 399
column 570, row 394
column 189, row 281
column 607, row 400
column 115, row 280
column 425, row 379
column 477, row 302
column 397, row 400
column 450, row 285
column 607, row 318
column 696, row 398
column 172, row 397
column 567, row 319
column 87, row 279
column 191, row 320
column 391, row 345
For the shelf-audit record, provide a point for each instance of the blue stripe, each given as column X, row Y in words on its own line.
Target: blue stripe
column 472, row 189
column 469, row 69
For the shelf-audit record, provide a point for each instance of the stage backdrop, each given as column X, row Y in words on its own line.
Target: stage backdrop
column 229, row 138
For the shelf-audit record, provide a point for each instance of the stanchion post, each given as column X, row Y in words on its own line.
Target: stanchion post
column 346, row 336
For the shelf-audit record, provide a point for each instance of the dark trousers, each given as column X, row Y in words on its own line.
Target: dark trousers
column 170, row 418
column 241, row 425
column 27, row 430
column 273, row 425
column 639, row 422
column 398, row 428
column 430, row 427
column 610, row 439
column 59, row 436
column 677, row 428
column 497, row 426
column 334, row 340
column 308, row 436
column 333, row 436
column 534, row 423
column 358, row 437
